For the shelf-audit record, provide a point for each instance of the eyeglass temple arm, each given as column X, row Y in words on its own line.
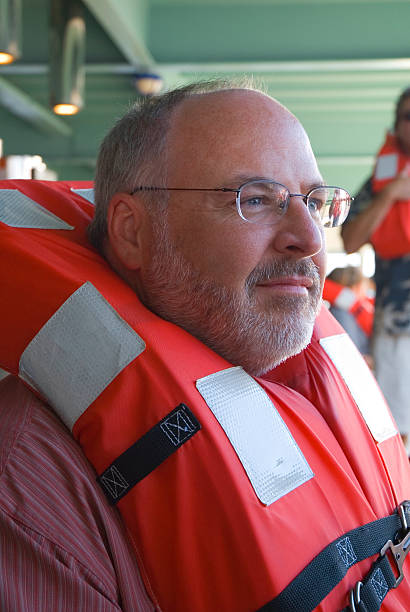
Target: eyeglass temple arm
column 143, row 188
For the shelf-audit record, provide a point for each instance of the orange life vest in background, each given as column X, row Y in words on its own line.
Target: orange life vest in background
column 229, row 485
column 392, row 237
column 343, row 297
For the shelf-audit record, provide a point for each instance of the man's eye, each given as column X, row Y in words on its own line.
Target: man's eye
column 254, row 201
column 315, row 204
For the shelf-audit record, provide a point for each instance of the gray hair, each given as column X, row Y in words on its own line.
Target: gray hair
column 133, row 152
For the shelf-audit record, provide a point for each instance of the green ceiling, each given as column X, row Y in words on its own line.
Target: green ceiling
column 339, row 66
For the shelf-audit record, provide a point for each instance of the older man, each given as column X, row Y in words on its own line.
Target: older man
column 254, row 288
column 244, row 455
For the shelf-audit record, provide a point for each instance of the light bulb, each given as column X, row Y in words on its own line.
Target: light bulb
column 65, row 109
column 6, row 58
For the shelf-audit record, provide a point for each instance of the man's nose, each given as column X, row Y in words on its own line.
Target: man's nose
column 298, row 234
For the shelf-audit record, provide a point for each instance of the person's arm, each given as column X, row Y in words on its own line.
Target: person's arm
column 38, row 576
column 63, row 548
column 356, row 232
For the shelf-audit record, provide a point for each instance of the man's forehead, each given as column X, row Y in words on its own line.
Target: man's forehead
column 237, row 103
column 224, row 120
column 244, row 131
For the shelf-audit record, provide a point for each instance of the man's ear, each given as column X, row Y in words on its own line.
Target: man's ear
column 126, row 219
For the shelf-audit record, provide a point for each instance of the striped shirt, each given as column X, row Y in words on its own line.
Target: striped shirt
column 62, row 547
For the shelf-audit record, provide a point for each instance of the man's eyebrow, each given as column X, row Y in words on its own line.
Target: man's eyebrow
column 240, row 179
column 318, row 184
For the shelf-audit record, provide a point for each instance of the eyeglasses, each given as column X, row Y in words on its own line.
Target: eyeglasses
column 405, row 116
column 264, row 201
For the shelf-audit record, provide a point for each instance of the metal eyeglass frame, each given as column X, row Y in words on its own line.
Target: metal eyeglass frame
column 239, row 189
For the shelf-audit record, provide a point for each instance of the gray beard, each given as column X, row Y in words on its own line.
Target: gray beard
column 231, row 323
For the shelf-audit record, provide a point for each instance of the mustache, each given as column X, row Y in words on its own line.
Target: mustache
column 276, row 269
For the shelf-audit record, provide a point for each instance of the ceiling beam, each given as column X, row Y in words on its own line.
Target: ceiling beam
column 217, row 3
column 399, row 64
column 125, row 23
column 19, row 103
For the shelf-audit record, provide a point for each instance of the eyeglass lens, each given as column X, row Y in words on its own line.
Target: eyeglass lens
column 266, row 202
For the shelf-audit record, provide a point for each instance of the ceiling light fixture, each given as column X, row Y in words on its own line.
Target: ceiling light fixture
column 148, row 83
column 10, row 29
column 67, row 54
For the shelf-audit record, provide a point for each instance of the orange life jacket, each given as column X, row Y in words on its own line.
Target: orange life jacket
column 229, row 485
column 392, row 237
column 361, row 308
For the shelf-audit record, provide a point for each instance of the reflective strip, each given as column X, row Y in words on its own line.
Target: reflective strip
column 270, row 456
column 18, row 210
column 361, row 385
column 87, row 194
column 345, row 299
column 386, row 166
column 78, row 352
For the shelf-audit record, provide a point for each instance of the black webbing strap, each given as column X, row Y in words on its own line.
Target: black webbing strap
column 148, row 452
column 368, row 595
column 330, row 566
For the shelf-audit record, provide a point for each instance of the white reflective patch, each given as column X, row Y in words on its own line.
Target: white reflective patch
column 270, row 456
column 361, row 385
column 78, row 352
column 345, row 299
column 386, row 166
column 87, row 194
column 18, row 210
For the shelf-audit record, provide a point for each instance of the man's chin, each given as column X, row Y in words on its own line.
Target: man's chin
column 284, row 305
column 296, row 350
column 263, row 348
column 281, row 359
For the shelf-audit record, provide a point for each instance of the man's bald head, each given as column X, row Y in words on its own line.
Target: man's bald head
column 134, row 150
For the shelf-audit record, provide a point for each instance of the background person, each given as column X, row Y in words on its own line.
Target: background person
column 380, row 214
column 345, row 290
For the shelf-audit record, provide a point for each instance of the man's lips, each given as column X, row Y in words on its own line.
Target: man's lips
column 287, row 284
